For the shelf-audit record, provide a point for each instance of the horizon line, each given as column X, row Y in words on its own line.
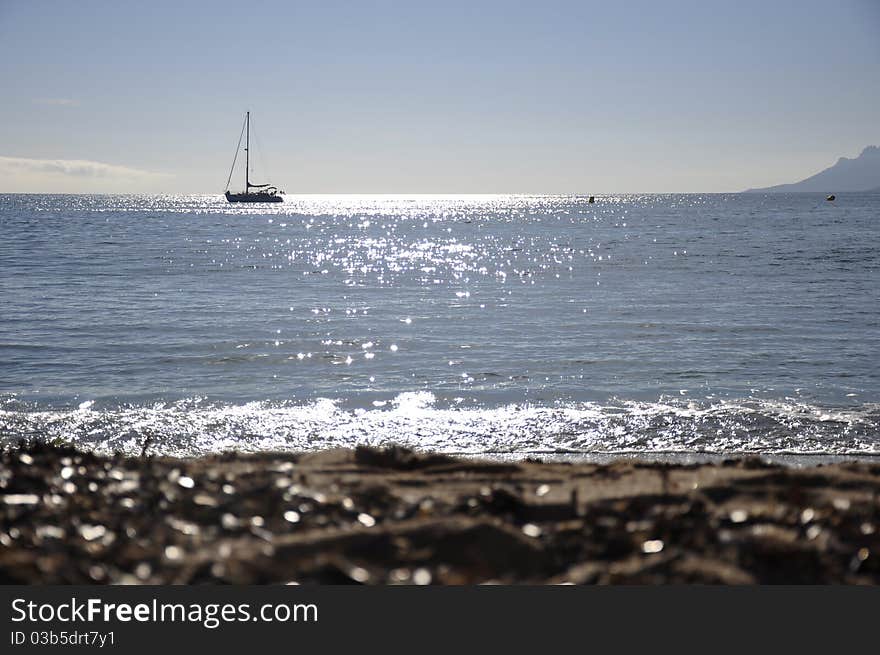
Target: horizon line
column 596, row 194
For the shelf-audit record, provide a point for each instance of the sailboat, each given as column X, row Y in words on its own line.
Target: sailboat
column 264, row 192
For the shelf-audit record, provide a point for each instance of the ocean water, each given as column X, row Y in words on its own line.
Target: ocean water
column 505, row 324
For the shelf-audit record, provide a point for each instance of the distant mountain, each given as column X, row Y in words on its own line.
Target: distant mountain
column 859, row 174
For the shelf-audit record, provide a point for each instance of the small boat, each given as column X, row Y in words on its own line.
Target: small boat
column 264, row 192
column 830, row 198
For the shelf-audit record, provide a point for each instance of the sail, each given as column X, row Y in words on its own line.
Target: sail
column 256, row 186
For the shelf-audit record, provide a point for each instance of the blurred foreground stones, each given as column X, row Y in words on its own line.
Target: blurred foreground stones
column 371, row 516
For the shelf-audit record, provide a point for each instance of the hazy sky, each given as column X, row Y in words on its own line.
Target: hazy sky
column 435, row 97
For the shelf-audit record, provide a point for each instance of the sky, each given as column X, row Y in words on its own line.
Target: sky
column 434, row 97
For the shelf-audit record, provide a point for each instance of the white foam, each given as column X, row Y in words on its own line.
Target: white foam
column 417, row 419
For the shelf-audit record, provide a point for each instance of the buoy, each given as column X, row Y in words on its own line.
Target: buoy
column 831, row 197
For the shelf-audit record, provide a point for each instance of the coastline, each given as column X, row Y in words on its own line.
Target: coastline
column 394, row 516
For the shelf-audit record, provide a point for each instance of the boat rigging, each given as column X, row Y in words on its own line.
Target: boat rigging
column 263, row 192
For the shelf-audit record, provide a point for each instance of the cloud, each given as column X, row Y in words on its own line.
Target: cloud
column 79, row 168
column 57, row 102
column 24, row 175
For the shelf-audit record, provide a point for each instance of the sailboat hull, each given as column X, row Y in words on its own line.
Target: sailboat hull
column 253, row 197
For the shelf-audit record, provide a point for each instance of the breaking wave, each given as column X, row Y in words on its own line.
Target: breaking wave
column 196, row 427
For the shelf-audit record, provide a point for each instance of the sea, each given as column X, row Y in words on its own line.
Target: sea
column 498, row 325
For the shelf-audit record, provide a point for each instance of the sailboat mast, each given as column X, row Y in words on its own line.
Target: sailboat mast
column 247, row 152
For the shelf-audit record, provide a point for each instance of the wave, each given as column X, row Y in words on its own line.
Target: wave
column 195, row 427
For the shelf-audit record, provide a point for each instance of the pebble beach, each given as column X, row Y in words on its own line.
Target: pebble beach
column 395, row 516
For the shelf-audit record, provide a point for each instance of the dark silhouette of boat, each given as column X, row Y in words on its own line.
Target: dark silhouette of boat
column 263, row 192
